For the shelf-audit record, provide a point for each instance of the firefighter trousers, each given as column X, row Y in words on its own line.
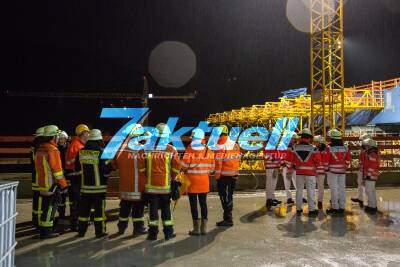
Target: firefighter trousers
column 226, row 187
column 35, row 208
column 162, row 202
column 74, row 191
column 47, row 208
column 86, row 203
column 271, row 178
column 133, row 208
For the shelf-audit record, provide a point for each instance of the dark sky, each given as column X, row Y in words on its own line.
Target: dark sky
column 99, row 45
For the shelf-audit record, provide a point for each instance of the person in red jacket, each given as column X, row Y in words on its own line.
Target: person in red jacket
column 370, row 174
column 289, row 177
column 339, row 160
column 74, row 177
column 360, row 198
column 198, row 162
column 305, row 159
column 319, row 142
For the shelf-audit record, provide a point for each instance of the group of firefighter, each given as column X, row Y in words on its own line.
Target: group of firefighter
column 73, row 168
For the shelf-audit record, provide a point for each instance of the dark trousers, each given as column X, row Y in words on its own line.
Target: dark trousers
column 62, row 206
column 226, row 186
column 86, row 203
column 74, row 191
column 35, row 208
column 136, row 209
column 202, row 197
column 47, row 211
column 162, row 202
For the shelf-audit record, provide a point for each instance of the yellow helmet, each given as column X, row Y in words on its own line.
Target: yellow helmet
column 335, row 134
column 95, row 134
column 39, row 131
column 51, row 130
column 81, row 128
column 225, row 129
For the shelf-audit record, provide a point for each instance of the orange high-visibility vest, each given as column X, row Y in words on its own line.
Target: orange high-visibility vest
column 132, row 178
column 227, row 158
column 49, row 168
column 161, row 167
column 72, row 152
column 198, row 164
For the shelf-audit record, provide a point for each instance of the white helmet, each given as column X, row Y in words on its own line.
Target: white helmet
column 372, row 143
column 319, row 139
column 295, row 136
column 335, row 134
column 63, row 134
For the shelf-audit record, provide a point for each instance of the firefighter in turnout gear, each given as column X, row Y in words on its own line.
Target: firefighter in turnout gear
column 51, row 181
column 227, row 162
column 339, row 160
column 305, row 159
column 162, row 165
column 63, row 142
column 370, row 174
column 95, row 174
column 130, row 161
column 37, row 141
column 73, row 176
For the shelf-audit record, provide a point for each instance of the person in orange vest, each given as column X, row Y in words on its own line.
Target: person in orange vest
column 319, row 142
column 360, row 198
column 37, row 141
column 161, row 167
column 198, row 162
column 305, row 159
column 74, row 177
column 51, row 181
column 132, row 178
column 370, row 173
column 339, row 160
column 227, row 162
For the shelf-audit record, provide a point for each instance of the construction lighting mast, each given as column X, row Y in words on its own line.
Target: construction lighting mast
column 327, row 66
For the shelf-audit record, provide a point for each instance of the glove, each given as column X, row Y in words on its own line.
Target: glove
column 175, row 189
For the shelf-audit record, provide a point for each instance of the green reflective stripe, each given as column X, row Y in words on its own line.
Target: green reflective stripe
column 83, row 219
column 158, row 187
column 92, row 191
column 123, row 219
column 174, row 170
column 153, row 223
column 168, row 222
column 39, row 210
column 99, row 219
column 168, row 169
column 104, row 216
column 46, row 224
column 142, row 170
column 92, row 210
column 35, row 211
column 35, row 188
column 148, row 169
column 46, row 173
column 60, row 173
column 89, row 156
column 138, row 219
column 94, row 187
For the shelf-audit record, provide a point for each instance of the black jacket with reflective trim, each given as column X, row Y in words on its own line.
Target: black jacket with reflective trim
column 94, row 170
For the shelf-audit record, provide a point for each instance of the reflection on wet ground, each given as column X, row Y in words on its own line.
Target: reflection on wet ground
column 259, row 237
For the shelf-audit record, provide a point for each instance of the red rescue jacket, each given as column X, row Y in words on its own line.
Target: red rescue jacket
column 305, row 159
column 339, row 159
column 371, row 162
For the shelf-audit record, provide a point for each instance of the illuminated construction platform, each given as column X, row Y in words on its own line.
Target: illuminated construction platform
column 259, row 238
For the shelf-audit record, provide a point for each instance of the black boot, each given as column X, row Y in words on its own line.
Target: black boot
column 332, row 212
column 82, row 229
column 313, row 213
column 370, row 210
column 320, row 207
column 122, row 227
column 299, row 212
column 46, row 233
column 139, row 229
column 304, row 200
column 152, row 233
column 270, row 203
column 276, row 202
column 169, row 232
column 356, row 200
column 224, row 223
column 289, row 201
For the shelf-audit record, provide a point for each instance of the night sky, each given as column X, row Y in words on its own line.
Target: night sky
column 101, row 45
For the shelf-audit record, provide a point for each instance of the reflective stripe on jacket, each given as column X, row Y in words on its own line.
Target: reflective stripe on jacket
column 49, row 168
column 161, row 168
column 339, row 159
column 371, row 162
column 198, row 164
column 227, row 158
column 304, row 158
column 132, row 178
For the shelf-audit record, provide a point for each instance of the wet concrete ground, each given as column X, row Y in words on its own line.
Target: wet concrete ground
column 259, row 238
